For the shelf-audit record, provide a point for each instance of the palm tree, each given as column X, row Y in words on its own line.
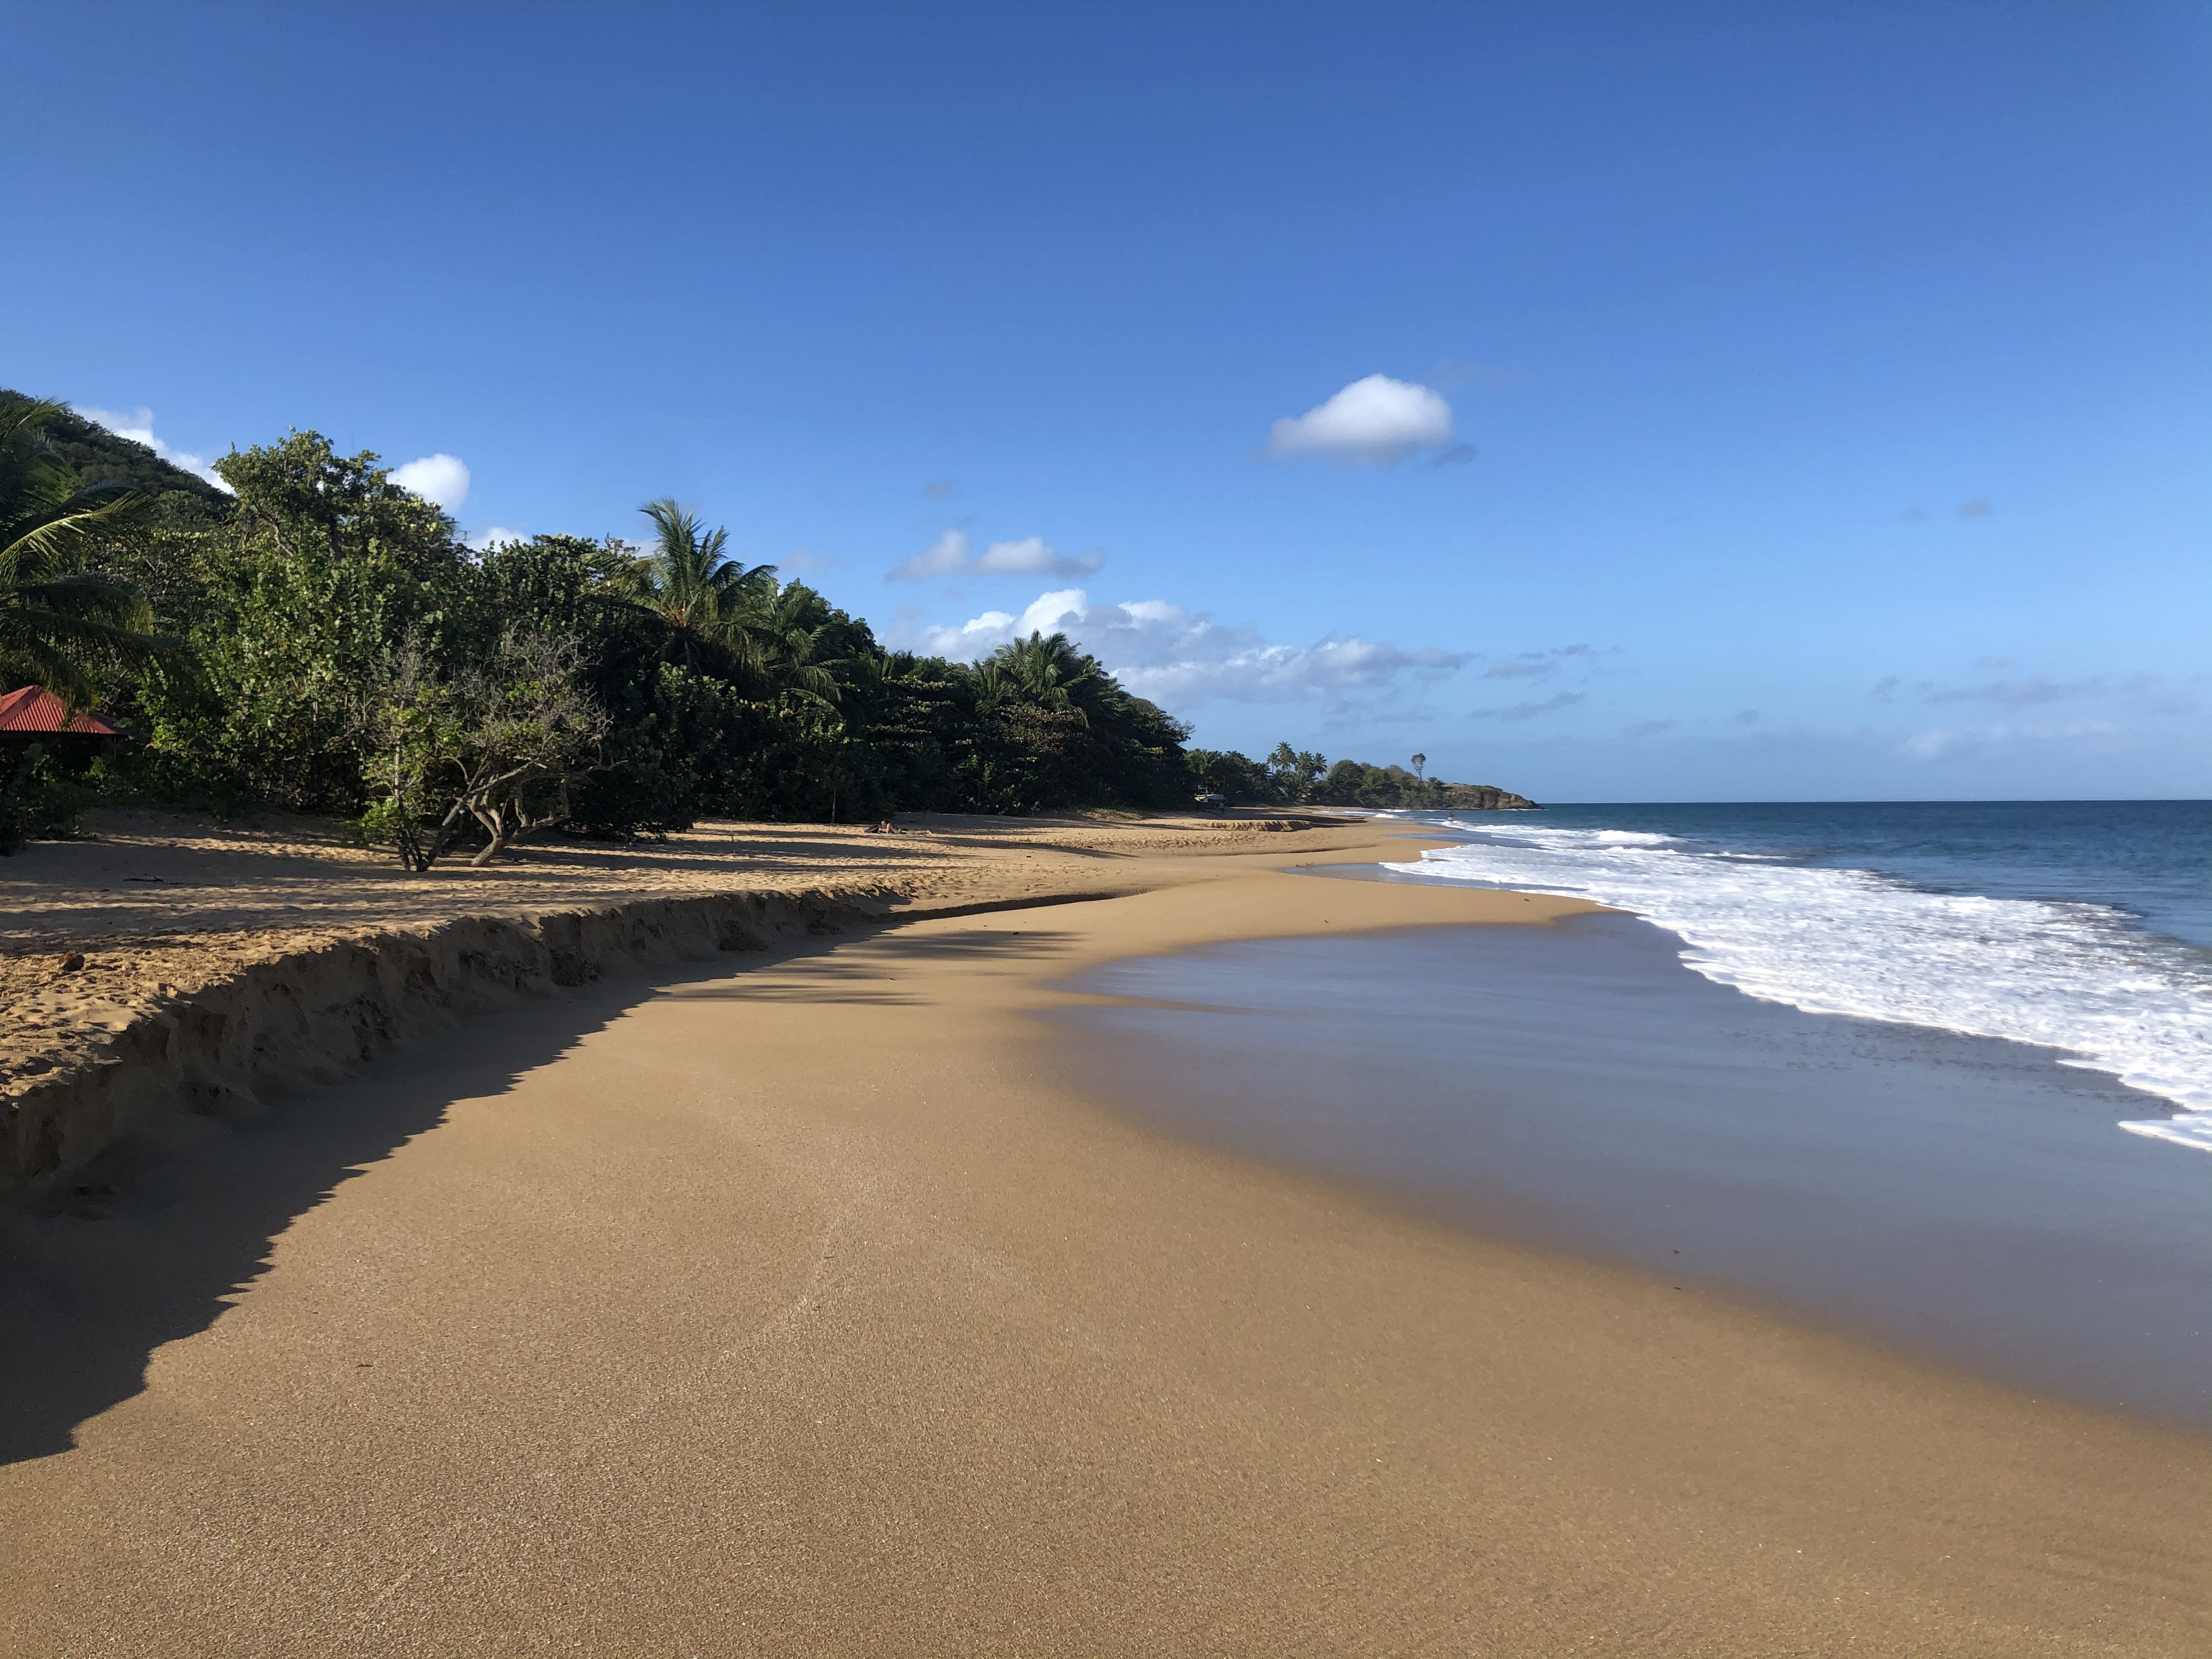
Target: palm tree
column 1050, row 673
column 56, row 620
column 788, row 651
column 700, row 595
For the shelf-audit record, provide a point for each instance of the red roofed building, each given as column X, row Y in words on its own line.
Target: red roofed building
column 34, row 714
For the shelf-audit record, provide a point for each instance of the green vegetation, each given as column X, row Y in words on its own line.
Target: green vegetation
column 320, row 641
column 1290, row 777
column 100, row 457
column 61, row 620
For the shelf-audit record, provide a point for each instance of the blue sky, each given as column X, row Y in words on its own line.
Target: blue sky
column 1806, row 401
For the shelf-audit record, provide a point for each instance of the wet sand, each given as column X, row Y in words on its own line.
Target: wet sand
column 823, row 1308
column 1578, row 1087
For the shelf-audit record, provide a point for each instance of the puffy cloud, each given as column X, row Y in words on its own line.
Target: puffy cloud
column 1178, row 657
column 946, row 556
column 1377, row 421
column 1032, row 557
column 953, row 554
column 484, row 540
column 442, row 478
column 976, row 638
column 138, row 425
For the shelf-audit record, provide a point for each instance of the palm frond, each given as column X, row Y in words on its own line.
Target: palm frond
column 53, row 618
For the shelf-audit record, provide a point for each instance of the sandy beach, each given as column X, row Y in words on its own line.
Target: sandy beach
column 813, row 1301
column 161, row 904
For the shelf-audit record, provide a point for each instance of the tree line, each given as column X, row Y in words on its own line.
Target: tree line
column 1299, row 777
column 319, row 639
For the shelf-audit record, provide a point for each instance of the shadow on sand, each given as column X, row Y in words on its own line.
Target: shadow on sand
column 151, row 1242
column 155, row 1239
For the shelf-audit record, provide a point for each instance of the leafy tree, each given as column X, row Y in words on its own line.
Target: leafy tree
column 308, row 498
column 1237, row 778
column 1342, row 784
column 40, row 796
column 711, row 687
column 494, row 747
column 325, row 567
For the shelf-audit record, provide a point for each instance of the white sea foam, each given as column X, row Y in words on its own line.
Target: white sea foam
column 2074, row 977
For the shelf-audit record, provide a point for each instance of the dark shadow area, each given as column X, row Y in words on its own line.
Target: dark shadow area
column 151, row 1242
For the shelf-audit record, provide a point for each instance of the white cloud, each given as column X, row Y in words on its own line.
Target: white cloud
column 978, row 637
column 952, row 555
column 1376, row 422
column 440, row 478
column 1032, row 556
column 1175, row 657
column 1940, row 741
column 484, row 540
column 946, row 556
column 138, row 425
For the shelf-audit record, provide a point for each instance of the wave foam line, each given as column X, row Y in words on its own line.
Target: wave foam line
column 2070, row 976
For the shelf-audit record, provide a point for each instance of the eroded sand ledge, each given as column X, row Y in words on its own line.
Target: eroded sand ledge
column 176, row 965
column 319, row 1016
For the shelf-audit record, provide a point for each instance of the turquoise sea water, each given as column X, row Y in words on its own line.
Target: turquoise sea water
column 2082, row 927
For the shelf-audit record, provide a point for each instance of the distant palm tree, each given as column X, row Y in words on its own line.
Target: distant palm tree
column 56, row 620
column 703, row 596
column 1419, row 761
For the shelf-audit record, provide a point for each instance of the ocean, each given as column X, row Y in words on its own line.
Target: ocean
column 2084, row 927
column 1938, row 1075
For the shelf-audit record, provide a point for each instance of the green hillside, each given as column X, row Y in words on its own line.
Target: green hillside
column 99, row 456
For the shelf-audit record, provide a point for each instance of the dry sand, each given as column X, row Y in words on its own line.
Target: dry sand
column 160, row 904
column 816, row 1309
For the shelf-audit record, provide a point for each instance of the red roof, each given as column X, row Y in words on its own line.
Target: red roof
column 34, row 708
